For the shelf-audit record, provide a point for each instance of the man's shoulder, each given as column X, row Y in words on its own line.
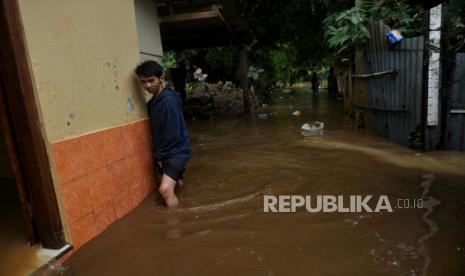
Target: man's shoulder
column 169, row 97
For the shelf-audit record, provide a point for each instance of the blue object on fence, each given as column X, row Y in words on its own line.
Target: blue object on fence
column 394, row 36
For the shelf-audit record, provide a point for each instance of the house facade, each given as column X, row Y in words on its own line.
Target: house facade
column 78, row 62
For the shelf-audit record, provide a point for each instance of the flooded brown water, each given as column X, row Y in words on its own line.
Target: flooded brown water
column 220, row 227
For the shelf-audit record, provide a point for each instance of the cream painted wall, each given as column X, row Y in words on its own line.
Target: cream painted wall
column 148, row 30
column 82, row 55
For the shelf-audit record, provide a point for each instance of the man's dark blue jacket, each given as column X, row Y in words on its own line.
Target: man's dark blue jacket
column 169, row 131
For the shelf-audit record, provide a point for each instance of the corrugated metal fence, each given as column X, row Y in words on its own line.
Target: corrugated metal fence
column 387, row 85
column 455, row 139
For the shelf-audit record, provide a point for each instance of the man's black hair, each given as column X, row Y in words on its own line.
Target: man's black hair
column 149, row 68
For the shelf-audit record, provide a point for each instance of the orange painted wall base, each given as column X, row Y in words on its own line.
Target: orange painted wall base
column 103, row 176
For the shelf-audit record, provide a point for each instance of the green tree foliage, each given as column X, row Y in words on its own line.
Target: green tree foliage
column 169, row 60
column 293, row 21
column 190, row 53
column 347, row 30
column 221, row 58
column 455, row 11
column 254, row 73
column 283, row 59
column 296, row 33
column 288, row 36
column 401, row 15
column 221, row 63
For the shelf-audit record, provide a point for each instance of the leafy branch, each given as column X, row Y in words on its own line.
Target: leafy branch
column 347, row 30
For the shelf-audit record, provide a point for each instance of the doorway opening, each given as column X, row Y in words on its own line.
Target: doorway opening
column 29, row 212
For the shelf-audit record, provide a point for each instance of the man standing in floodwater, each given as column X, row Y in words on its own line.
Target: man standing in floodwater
column 171, row 141
column 332, row 83
column 315, row 83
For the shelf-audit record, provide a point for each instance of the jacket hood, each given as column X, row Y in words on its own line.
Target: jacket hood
column 167, row 92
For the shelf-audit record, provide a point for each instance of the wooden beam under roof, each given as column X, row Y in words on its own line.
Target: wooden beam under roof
column 199, row 23
column 190, row 16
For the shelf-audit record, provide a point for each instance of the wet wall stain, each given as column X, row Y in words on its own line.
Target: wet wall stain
column 115, row 72
column 131, row 106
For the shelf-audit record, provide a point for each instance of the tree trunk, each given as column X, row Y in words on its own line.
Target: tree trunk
column 243, row 81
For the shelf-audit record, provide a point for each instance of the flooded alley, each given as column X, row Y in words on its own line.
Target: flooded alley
column 318, row 137
column 220, row 227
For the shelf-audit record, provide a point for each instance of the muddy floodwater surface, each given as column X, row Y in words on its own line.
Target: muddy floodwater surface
column 220, row 227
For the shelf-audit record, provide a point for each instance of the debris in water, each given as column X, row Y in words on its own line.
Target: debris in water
column 262, row 116
column 312, row 129
column 296, row 113
column 316, row 125
column 308, row 133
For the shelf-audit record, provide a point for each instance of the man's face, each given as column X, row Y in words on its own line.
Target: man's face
column 151, row 84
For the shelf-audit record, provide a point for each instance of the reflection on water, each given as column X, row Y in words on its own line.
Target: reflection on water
column 221, row 229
